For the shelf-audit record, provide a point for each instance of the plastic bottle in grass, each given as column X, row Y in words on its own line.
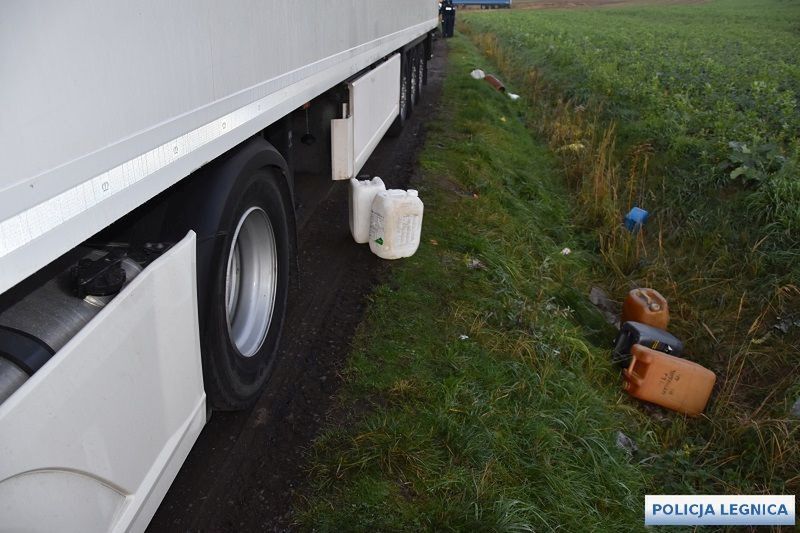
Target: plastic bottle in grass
column 395, row 224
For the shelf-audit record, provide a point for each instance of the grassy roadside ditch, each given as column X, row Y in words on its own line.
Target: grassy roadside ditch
column 690, row 111
column 479, row 395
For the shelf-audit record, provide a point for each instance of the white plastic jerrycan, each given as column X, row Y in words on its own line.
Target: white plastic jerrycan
column 361, row 195
column 395, row 224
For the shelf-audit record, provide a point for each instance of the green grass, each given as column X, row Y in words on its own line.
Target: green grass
column 511, row 428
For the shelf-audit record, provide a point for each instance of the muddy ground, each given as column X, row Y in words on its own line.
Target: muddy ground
column 247, row 468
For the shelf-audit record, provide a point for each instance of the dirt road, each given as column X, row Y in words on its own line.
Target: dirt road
column 246, row 468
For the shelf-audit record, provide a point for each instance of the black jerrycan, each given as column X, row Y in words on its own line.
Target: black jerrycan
column 637, row 333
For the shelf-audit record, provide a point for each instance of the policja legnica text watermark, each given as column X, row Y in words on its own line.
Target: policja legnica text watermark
column 708, row 510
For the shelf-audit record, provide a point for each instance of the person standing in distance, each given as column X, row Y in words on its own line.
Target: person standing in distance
column 448, row 13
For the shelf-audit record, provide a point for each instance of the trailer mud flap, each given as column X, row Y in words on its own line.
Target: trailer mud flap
column 373, row 105
column 92, row 441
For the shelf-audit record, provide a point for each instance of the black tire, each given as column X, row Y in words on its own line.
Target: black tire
column 405, row 96
column 416, row 76
column 234, row 381
column 425, row 59
column 421, row 63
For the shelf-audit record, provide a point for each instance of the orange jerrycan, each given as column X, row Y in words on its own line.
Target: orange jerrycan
column 668, row 381
column 646, row 306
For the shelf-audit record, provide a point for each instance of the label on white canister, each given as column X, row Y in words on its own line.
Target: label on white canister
column 376, row 232
column 395, row 224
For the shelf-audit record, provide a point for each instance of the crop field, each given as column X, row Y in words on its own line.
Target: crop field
column 480, row 395
column 712, row 88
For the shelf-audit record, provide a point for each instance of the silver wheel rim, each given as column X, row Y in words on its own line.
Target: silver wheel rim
column 251, row 282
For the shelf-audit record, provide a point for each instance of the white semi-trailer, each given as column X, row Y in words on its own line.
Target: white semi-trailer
column 148, row 158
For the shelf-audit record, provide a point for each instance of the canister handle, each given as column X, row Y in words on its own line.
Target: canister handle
column 633, row 378
column 630, row 372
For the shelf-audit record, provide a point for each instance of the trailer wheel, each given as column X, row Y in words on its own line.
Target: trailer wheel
column 421, row 69
column 405, row 96
column 426, row 55
column 249, row 285
column 416, row 78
